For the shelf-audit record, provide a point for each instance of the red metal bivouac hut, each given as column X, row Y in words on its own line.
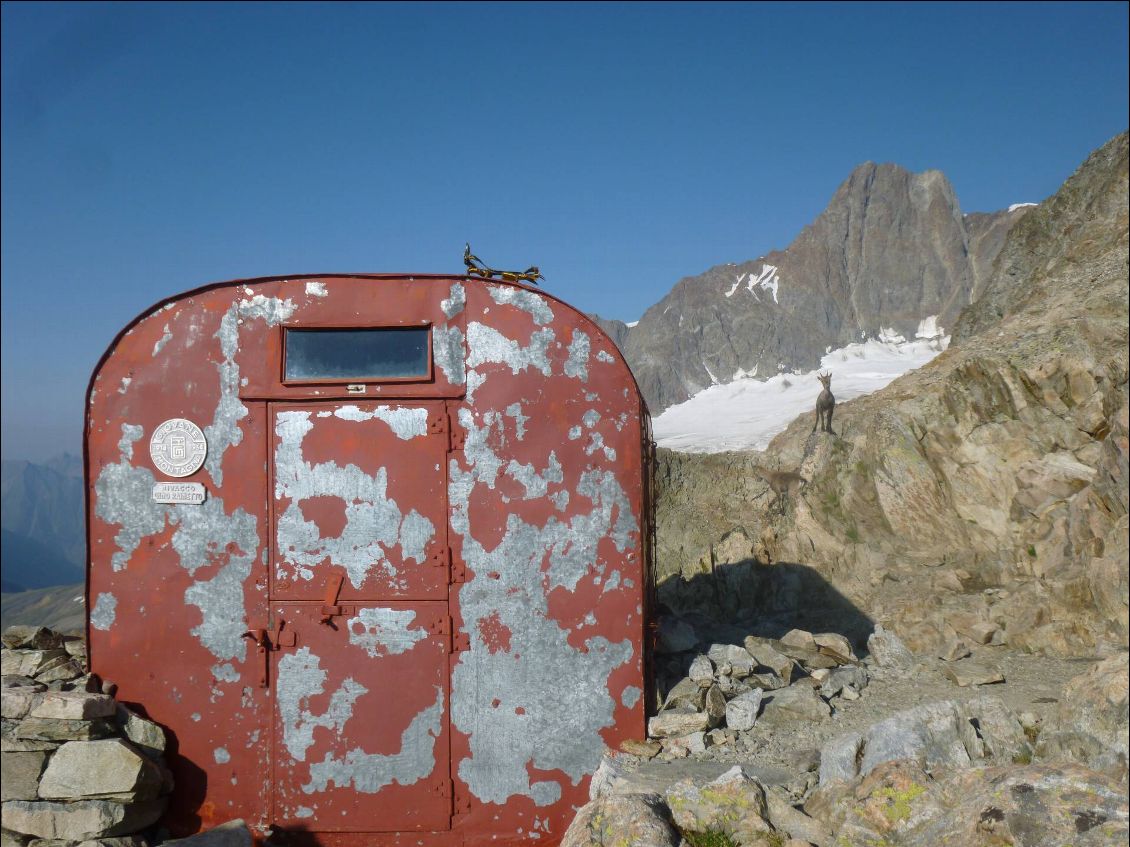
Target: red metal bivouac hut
column 374, row 549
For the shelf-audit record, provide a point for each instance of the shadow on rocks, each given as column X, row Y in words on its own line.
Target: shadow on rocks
column 750, row 597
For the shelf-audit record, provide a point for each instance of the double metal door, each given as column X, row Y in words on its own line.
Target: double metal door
column 359, row 641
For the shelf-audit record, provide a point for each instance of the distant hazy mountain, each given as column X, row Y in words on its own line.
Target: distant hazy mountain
column 44, row 537
column 60, row 607
column 891, row 249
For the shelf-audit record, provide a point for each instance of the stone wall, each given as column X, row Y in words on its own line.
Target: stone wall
column 78, row 767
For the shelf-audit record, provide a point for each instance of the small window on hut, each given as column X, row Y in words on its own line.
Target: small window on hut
column 385, row 353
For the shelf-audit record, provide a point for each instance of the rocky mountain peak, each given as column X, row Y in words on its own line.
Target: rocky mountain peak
column 891, row 249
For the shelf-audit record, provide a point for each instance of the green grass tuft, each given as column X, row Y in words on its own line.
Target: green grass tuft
column 710, row 838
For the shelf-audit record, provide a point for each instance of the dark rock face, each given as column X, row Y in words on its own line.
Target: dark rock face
column 891, row 248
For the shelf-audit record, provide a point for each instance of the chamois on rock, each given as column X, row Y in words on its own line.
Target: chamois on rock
column 825, row 404
column 783, row 484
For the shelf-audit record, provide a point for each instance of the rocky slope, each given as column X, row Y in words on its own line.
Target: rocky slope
column 891, row 248
column 989, row 487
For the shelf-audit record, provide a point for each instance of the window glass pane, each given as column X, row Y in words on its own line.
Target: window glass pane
column 358, row 354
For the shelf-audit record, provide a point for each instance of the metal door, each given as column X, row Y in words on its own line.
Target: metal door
column 360, row 635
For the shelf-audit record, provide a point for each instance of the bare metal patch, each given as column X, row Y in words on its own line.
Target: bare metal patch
column 384, row 632
column 577, row 365
column 202, row 531
column 162, row 341
column 123, row 497
column 374, row 522
column 631, row 696
column 221, row 755
column 509, row 702
column 528, row 301
column 486, row 345
column 514, row 410
column 301, row 677
column 368, row 773
column 536, row 484
column 447, row 350
column 605, row 356
column 453, row 304
column 405, row 423
column 316, row 289
column 104, row 612
column 224, row 431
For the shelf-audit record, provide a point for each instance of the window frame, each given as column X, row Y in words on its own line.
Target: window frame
column 427, row 376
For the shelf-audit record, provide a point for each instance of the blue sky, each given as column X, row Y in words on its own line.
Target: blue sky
column 148, row 149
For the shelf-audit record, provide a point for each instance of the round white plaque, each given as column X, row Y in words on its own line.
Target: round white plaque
column 178, row 447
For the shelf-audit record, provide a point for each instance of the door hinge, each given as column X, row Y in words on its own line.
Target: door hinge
column 461, row 804
column 458, row 569
column 457, row 436
column 454, row 642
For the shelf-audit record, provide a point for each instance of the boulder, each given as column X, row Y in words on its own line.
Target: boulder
column 80, row 820
column 786, row 818
column 48, row 729
column 968, row 672
column 797, row 702
column 702, row 671
column 733, row 804
column 715, row 705
column 231, row 834
column 955, row 650
column 61, row 670
column 849, row 676
column 742, row 711
column 28, row 662
column 15, row 703
column 686, row 693
column 31, row 638
column 769, row 657
column 21, row 771
column 887, row 650
column 74, row 706
column 799, row 638
column 641, row 749
column 1092, row 723
column 835, row 645
column 675, row 723
column 1032, row 805
column 109, row 768
column 738, row 658
column 640, row 820
column 934, row 736
column 148, row 736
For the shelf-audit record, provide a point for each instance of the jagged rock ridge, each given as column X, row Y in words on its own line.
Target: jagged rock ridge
column 891, row 248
